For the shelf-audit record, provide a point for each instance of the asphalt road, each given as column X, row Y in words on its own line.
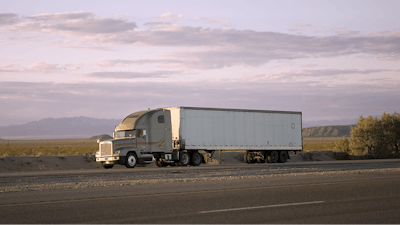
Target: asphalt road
column 351, row 198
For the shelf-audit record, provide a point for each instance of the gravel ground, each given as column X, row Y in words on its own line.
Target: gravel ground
column 73, row 162
column 139, row 176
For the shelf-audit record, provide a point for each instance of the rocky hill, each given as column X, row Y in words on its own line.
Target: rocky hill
column 328, row 131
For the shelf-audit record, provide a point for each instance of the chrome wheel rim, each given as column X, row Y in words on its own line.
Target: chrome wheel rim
column 131, row 160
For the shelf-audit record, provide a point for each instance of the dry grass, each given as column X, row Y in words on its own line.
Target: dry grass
column 319, row 143
column 47, row 147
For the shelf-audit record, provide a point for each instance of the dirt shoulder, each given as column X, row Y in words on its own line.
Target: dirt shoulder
column 74, row 162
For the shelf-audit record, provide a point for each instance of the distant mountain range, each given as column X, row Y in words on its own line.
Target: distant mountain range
column 60, row 128
column 329, row 122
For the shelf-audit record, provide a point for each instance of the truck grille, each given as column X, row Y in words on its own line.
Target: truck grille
column 105, row 149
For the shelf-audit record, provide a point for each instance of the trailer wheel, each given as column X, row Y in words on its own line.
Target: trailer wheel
column 273, row 157
column 197, row 158
column 108, row 166
column 184, row 158
column 247, row 157
column 283, row 156
column 131, row 160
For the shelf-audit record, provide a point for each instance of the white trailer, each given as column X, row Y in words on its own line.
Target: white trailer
column 175, row 136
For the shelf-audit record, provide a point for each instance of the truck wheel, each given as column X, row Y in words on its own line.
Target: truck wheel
column 273, row 157
column 160, row 163
column 283, row 156
column 184, row 159
column 131, row 160
column 108, row 166
column 197, row 158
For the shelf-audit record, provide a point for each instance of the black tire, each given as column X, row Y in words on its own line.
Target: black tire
column 197, row 158
column 131, row 160
column 108, row 166
column 247, row 157
column 184, row 158
column 283, row 156
column 273, row 157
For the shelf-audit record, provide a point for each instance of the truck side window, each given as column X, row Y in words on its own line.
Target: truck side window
column 161, row 119
column 139, row 132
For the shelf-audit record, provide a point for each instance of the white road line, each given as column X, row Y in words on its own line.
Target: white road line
column 260, row 207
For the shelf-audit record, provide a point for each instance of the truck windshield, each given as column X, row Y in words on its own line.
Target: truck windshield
column 125, row 134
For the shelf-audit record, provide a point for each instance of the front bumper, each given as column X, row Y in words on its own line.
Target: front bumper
column 107, row 160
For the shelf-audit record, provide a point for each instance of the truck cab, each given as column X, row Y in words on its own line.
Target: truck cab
column 137, row 139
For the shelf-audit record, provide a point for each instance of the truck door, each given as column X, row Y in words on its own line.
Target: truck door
column 141, row 139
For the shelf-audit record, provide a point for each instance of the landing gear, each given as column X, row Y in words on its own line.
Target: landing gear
column 254, row 156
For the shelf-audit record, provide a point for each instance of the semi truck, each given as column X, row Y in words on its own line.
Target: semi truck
column 183, row 136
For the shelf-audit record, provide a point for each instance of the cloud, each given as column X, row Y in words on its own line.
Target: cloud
column 7, row 71
column 161, row 25
column 42, row 67
column 343, row 31
column 132, row 75
column 165, row 62
column 213, row 20
column 331, row 77
column 334, row 72
column 75, row 23
column 53, row 17
column 9, row 18
column 299, row 26
column 227, row 47
column 171, row 16
column 205, row 48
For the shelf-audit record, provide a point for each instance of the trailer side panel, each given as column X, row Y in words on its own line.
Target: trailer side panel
column 224, row 129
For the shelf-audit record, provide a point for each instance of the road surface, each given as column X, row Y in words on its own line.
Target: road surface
column 372, row 197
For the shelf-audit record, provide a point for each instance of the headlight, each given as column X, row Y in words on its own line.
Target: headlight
column 117, row 152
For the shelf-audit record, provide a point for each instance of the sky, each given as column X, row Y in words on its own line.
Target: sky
column 331, row 60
